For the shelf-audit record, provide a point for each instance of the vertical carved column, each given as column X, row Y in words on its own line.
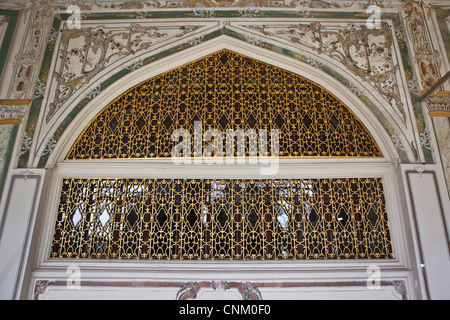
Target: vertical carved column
column 428, row 63
column 26, row 64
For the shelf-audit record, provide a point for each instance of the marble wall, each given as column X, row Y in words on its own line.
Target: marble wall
column 442, row 130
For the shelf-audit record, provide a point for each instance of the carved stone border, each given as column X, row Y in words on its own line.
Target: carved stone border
column 189, row 290
column 422, row 170
column 248, row 290
column 438, row 106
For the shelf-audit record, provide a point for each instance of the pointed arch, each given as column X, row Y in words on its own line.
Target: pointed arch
column 226, row 91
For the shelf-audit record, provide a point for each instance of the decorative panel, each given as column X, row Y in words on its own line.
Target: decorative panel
column 209, row 219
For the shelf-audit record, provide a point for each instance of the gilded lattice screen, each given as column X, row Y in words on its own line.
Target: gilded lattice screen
column 222, row 219
column 233, row 219
column 225, row 90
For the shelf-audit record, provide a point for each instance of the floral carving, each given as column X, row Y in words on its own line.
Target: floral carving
column 438, row 105
column 188, row 291
column 427, row 59
column 367, row 53
column 250, row 291
column 141, row 4
column 40, row 287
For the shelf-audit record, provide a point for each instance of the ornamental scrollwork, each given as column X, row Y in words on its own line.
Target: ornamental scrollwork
column 12, row 112
column 438, row 105
column 366, row 53
column 187, row 291
column 86, row 52
column 174, row 4
column 250, row 291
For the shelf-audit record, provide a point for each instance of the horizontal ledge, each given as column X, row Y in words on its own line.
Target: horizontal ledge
column 15, row 102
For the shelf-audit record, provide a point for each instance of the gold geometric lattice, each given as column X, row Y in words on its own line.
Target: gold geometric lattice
column 225, row 90
column 210, row 219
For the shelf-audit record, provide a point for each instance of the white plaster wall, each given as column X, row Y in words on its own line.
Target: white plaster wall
column 430, row 214
column 16, row 226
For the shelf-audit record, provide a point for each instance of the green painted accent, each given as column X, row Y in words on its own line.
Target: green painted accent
column 419, row 116
column 13, row 16
column 120, row 74
column 6, row 43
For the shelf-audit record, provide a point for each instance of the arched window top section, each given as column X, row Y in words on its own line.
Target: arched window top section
column 225, row 91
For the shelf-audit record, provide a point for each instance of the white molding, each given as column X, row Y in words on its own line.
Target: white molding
column 16, row 229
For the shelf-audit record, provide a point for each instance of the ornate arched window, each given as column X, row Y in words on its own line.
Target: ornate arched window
column 225, row 91
column 215, row 218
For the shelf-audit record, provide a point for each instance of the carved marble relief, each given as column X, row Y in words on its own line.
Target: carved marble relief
column 6, row 132
column 13, row 110
column 427, row 59
column 245, row 290
column 366, row 53
column 27, row 61
column 251, row 291
column 438, row 105
column 83, row 58
column 86, row 52
column 229, row 290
